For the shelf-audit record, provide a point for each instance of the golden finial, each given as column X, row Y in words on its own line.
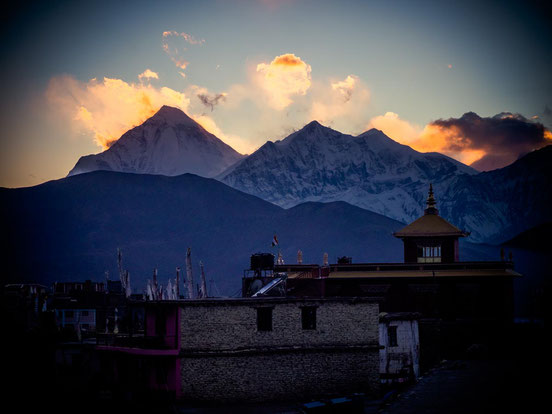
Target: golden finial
column 431, row 203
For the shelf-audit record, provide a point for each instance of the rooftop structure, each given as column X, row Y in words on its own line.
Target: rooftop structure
column 430, row 238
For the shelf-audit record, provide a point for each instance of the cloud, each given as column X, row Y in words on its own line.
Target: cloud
column 188, row 38
column 400, row 130
column 345, row 87
column 211, row 101
column 503, row 138
column 148, row 74
column 283, row 78
column 109, row 107
column 175, row 43
column 340, row 104
column 485, row 143
column 239, row 144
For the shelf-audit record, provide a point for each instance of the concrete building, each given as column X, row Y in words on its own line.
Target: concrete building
column 250, row 349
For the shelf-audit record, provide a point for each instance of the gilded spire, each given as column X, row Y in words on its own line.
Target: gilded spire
column 431, row 203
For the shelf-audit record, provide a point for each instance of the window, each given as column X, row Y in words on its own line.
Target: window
column 429, row 254
column 308, row 317
column 84, row 313
column 160, row 323
column 392, row 335
column 264, row 319
column 69, row 314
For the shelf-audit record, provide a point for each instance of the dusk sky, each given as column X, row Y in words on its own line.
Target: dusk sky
column 468, row 79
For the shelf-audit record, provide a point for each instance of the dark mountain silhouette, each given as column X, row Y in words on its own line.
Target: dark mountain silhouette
column 69, row 229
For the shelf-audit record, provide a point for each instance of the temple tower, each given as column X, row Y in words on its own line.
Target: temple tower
column 430, row 238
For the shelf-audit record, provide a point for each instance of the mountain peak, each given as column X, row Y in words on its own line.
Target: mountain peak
column 172, row 115
column 377, row 138
column 313, row 126
column 371, row 131
column 169, row 143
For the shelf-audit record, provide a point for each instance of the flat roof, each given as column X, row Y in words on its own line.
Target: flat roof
column 250, row 301
column 423, row 273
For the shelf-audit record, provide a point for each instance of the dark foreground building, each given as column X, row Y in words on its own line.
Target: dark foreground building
column 255, row 349
column 460, row 303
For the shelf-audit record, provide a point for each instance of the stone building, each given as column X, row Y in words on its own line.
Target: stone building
column 250, row 349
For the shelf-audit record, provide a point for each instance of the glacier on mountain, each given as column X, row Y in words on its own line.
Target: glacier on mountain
column 370, row 170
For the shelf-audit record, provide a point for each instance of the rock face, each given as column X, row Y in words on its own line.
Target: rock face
column 168, row 143
column 370, row 171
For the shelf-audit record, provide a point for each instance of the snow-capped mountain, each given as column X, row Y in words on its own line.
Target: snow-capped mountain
column 168, row 143
column 371, row 171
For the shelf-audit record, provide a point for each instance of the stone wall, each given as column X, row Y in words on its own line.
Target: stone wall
column 232, row 325
column 292, row 375
column 224, row 357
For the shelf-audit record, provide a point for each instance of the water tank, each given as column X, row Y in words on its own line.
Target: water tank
column 262, row 261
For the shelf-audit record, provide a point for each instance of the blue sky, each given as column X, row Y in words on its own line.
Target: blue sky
column 390, row 61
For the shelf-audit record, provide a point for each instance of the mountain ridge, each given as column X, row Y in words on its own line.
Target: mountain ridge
column 370, row 170
column 317, row 163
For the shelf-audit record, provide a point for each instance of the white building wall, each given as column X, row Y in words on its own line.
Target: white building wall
column 403, row 360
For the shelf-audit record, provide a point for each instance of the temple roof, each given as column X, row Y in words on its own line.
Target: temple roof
column 430, row 224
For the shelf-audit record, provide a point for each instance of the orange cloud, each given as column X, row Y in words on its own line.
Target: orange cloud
column 483, row 142
column 288, row 59
column 447, row 141
column 430, row 138
column 400, row 130
column 283, row 78
column 110, row 107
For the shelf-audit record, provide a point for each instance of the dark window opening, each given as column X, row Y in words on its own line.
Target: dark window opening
column 308, row 317
column 264, row 319
column 392, row 335
column 160, row 323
